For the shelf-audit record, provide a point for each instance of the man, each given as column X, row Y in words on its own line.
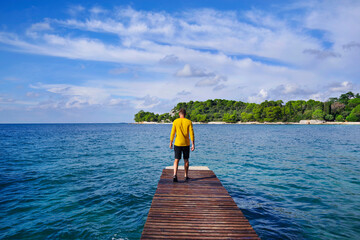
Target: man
column 183, row 128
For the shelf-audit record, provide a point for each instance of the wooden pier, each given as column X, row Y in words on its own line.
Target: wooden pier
column 200, row 208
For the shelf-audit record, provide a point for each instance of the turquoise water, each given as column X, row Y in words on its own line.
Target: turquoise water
column 96, row 181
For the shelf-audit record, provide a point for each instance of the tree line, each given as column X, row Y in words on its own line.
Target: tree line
column 344, row 108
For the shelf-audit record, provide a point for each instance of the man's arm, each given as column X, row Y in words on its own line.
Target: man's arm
column 172, row 135
column 192, row 136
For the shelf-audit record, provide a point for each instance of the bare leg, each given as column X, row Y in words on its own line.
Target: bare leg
column 176, row 164
column 186, row 167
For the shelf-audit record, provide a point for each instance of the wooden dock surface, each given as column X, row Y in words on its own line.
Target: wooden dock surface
column 198, row 209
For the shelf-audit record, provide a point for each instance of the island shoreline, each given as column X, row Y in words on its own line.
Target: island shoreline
column 260, row 123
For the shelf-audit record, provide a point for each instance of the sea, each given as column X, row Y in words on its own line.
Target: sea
column 96, row 181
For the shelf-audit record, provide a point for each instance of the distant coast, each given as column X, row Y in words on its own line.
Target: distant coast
column 340, row 110
column 264, row 123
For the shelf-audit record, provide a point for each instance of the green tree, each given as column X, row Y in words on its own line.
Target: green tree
column 344, row 98
column 354, row 116
column 247, row 117
column 272, row 114
column 229, row 118
column 318, row 114
column 258, row 113
column 339, row 118
column 307, row 114
column 201, row 118
column 217, row 116
column 327, row 107
column 329, row 117
column 139, row 116
column 232, row 111
column 353, row 102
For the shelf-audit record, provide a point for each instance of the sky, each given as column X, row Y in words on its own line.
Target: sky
column 103, row 61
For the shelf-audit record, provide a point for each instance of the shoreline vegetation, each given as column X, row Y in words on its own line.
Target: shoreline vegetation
column 262, row 123
column 342, row 110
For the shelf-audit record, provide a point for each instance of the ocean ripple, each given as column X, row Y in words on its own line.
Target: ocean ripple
column 96, row 181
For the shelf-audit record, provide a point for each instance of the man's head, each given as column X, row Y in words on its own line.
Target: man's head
column 182, row 112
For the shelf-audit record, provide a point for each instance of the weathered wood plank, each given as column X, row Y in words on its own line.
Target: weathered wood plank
column 197, row 209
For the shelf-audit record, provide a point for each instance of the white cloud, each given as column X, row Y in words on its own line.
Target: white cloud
column 262, row 34
column 210, row 81
column 147, row 102
column 263, row 55
column 41, row 26
column 339, row 20
column 169, row 59
column 291, row 91
column 11, row 103
column 119, row 102
column 82, row 48
column 259, row 97
column 97, row 10
column 341, row 87
column 75, row 9
column 205, row 29
column 321, row 54
column 189, row 71
column 36, row 28
column 72, row 96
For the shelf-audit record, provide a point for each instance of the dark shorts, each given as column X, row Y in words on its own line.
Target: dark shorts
column 185, row 150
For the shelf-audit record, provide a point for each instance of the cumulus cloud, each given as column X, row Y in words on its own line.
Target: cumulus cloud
column 147, row 102
column 289, row 91
column 341, row 87
column 259, row 97
column 285, row 92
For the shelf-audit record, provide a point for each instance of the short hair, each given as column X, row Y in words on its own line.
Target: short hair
column 182, row 111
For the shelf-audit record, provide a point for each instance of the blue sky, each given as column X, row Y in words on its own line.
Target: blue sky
column 103, row 61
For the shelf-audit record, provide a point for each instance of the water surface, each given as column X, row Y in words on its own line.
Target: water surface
column 96, row 181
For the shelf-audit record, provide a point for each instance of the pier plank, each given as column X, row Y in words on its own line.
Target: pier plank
column 200, row 208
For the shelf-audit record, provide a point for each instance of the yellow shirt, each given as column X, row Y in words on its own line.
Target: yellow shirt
column 183, row 127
